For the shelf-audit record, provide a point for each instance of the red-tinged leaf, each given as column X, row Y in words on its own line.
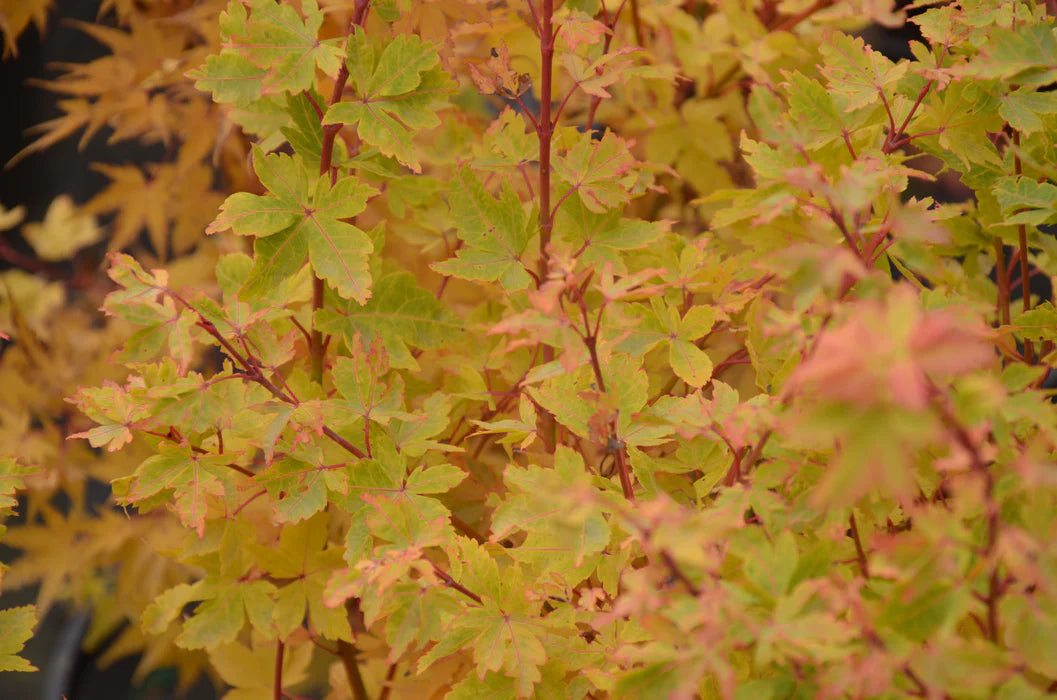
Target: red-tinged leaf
column 398, row 92
column 600, row 172
column 220, row 618
column 273, row 37
column 495, row 234
column 115, row 410
column 301, row 214
column 196, row 480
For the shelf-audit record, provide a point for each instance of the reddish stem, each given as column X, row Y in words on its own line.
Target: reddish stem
column 544, row 131
column 1025, row 275
column 277, row 684
column 317, row 347
column 1002, row 281
column 860, row 553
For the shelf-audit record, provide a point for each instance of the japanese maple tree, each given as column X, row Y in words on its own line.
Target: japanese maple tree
column 585, row 349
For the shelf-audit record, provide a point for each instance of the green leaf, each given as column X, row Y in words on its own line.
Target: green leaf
column 602, row 172
column 220, row 618
column 1025, row 201
column 813, row 106
column 359, row 378
column 1024, row 55
column 1022, row 108
column 1039, row 323
column 505, row 633
column 398, row 93
column 302, row 213
column 412, row 432
column 857, row 72
column 400, row 314
column 275, row 38
column 304, row 557
column 562, row 513
column 195, row 480
column 16, row 626
column 298, row 488
column 689, row 362
column 604, row 238
column 231, row 78
column 495, row 233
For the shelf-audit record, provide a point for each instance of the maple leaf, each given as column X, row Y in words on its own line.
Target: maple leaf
column 222, row 614
column 114, row 410
column 16, row 15
column 509, row 142
column 304, row 557
column 62, row 232
column 908, row 346
column 399, row 92
column 388, row 501
column 601, row 172
column 497, row 77
column 1022, row 109
column 412, row 432
column 240, row 667
column 298, row 488
column 359, row 378
column 594, row 77
column 12, row 480
column 579, row 28
column 495, row 233
column 1040, row 323
column 400, row 314
column 1023, row 55
column 664, row 324
column 194, row 479
column 301, row 214
column 604, row 237
column 1025, row 201
column 562, row 512
column 577, row 404
column 16, row 626
column 505, row 632
column 857, row 72
column 273, row 37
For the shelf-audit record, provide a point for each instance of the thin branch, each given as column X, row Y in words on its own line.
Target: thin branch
column 1025, row 274
column 525, row 110
column 678, row 573
column 1002, row 281
column 387, row 686
column 544, row 131
column 636, row 23
column 466, row 529
column 860, row 554
column 277, row 683
column 317, row 349
column 348, row 653
column 452, row 583
column 789, row 23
